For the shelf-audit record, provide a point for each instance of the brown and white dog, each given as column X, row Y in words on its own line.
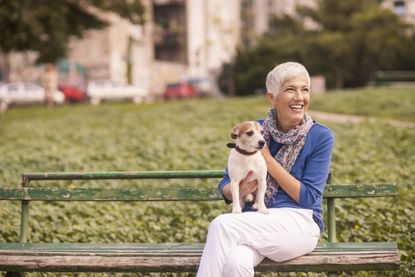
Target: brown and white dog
column 245, row 158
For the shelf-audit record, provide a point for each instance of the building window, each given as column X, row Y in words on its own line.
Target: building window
column 399, row 7
column 170, row 31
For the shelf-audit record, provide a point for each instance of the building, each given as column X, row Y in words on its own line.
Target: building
column 180, row 39
column 403, row 8
column 256, row 16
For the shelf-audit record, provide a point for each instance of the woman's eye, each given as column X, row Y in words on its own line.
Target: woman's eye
column 250, row 133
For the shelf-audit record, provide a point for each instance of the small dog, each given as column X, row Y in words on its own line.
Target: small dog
column 245, row 158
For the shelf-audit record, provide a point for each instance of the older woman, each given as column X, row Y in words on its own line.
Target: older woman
column 297, row 155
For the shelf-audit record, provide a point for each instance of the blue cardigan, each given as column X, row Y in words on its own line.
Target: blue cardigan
column 311, row 168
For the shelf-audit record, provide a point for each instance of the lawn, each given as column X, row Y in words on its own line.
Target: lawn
column 186, row 135
column 386, row 102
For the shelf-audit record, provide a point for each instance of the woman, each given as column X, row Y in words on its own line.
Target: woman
column 297, row 155
column 50, row 84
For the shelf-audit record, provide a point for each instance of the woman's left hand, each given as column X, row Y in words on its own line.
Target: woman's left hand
column 265, row 153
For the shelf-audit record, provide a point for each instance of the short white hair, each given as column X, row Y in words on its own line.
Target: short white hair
column 283, row 72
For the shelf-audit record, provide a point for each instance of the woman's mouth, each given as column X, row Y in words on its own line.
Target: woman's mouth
column 297, row 108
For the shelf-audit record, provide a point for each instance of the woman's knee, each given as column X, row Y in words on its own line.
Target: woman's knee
column 237, row 265
column 221, row 222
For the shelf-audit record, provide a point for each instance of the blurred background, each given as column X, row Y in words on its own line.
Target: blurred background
column 163, row 49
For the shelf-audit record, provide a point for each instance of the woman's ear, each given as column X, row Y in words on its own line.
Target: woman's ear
column 270, row 98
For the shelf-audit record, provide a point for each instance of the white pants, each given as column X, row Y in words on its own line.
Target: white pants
column 236, row 243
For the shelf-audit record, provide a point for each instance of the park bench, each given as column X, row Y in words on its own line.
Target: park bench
column 23, row 256
column 395, row 78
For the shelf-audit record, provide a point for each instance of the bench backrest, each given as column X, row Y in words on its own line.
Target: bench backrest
column 154, row 193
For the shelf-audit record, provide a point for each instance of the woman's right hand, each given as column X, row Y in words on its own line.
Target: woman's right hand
column 247, row 185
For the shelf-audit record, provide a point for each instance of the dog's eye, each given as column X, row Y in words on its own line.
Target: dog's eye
column 250, row 133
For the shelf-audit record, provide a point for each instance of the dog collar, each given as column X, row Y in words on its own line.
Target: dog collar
column 244, row 152
column 240, row 150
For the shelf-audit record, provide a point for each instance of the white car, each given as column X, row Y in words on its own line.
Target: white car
column 99, row 90
column 24, row 93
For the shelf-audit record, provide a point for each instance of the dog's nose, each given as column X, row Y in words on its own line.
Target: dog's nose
column 261, row 143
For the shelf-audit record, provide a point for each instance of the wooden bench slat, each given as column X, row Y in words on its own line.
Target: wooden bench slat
column 169, row 194
column 124, row 175
column 128, row 248
column 360, row 190
column 174, row 257
column 118, row 194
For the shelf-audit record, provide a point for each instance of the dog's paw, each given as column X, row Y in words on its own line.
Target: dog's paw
column 263, row 210
column 237, row 210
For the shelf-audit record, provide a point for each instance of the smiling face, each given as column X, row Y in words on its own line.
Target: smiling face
column 291, row 102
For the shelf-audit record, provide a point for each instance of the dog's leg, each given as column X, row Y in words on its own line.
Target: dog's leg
column 236, row 204
column 260, row 196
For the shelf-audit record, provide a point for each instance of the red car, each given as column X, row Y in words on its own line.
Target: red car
column 72, row 93
column 179, row 90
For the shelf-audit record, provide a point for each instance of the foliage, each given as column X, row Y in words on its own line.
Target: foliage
column 182, row 136
column 46, row 26
column 348, row 42
column 393, row 103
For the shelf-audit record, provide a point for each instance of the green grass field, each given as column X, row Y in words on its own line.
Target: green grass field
column 386, row 102
column 189, row 135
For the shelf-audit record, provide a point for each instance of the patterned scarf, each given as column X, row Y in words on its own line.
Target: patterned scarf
column 293, row 142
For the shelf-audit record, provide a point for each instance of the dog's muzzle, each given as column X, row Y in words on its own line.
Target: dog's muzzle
column 261, row 144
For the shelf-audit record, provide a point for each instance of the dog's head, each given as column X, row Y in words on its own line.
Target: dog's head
column 248, row 135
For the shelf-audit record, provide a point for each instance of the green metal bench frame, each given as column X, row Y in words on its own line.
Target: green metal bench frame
column 174, row 257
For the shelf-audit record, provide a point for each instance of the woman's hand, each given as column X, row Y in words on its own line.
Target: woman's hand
column 266, row 154
column 247, row 186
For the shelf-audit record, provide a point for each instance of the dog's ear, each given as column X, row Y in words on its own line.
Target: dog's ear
column 258, row 126
column 235, row 132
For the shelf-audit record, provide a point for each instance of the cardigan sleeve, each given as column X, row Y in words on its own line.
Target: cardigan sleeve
column 225, row 180
column 316, row 171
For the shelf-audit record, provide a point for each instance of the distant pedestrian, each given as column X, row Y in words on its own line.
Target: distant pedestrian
column 50, row 84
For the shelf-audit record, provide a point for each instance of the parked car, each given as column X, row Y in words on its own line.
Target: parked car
column 179, row 90
column 202, row 85
column 99, row 90
column 190, row 87
column 72, row 93
column 25, row 93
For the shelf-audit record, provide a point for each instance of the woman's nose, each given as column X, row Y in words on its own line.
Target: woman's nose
column 298, row 94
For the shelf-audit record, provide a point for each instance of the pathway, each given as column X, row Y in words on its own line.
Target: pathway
column 345, row 118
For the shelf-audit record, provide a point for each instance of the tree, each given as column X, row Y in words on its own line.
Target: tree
column 356, row 39
column 252, row 64
column 45, row 26
column 350, row 42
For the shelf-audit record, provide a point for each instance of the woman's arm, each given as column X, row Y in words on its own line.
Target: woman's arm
column 244, row 187
column 310, row 188
column 288, row 183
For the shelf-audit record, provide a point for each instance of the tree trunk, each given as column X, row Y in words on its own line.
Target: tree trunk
column 129, row 61
column 338, row 77
column 6, row 67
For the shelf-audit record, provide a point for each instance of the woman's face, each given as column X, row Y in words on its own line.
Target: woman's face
column 291, row 102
